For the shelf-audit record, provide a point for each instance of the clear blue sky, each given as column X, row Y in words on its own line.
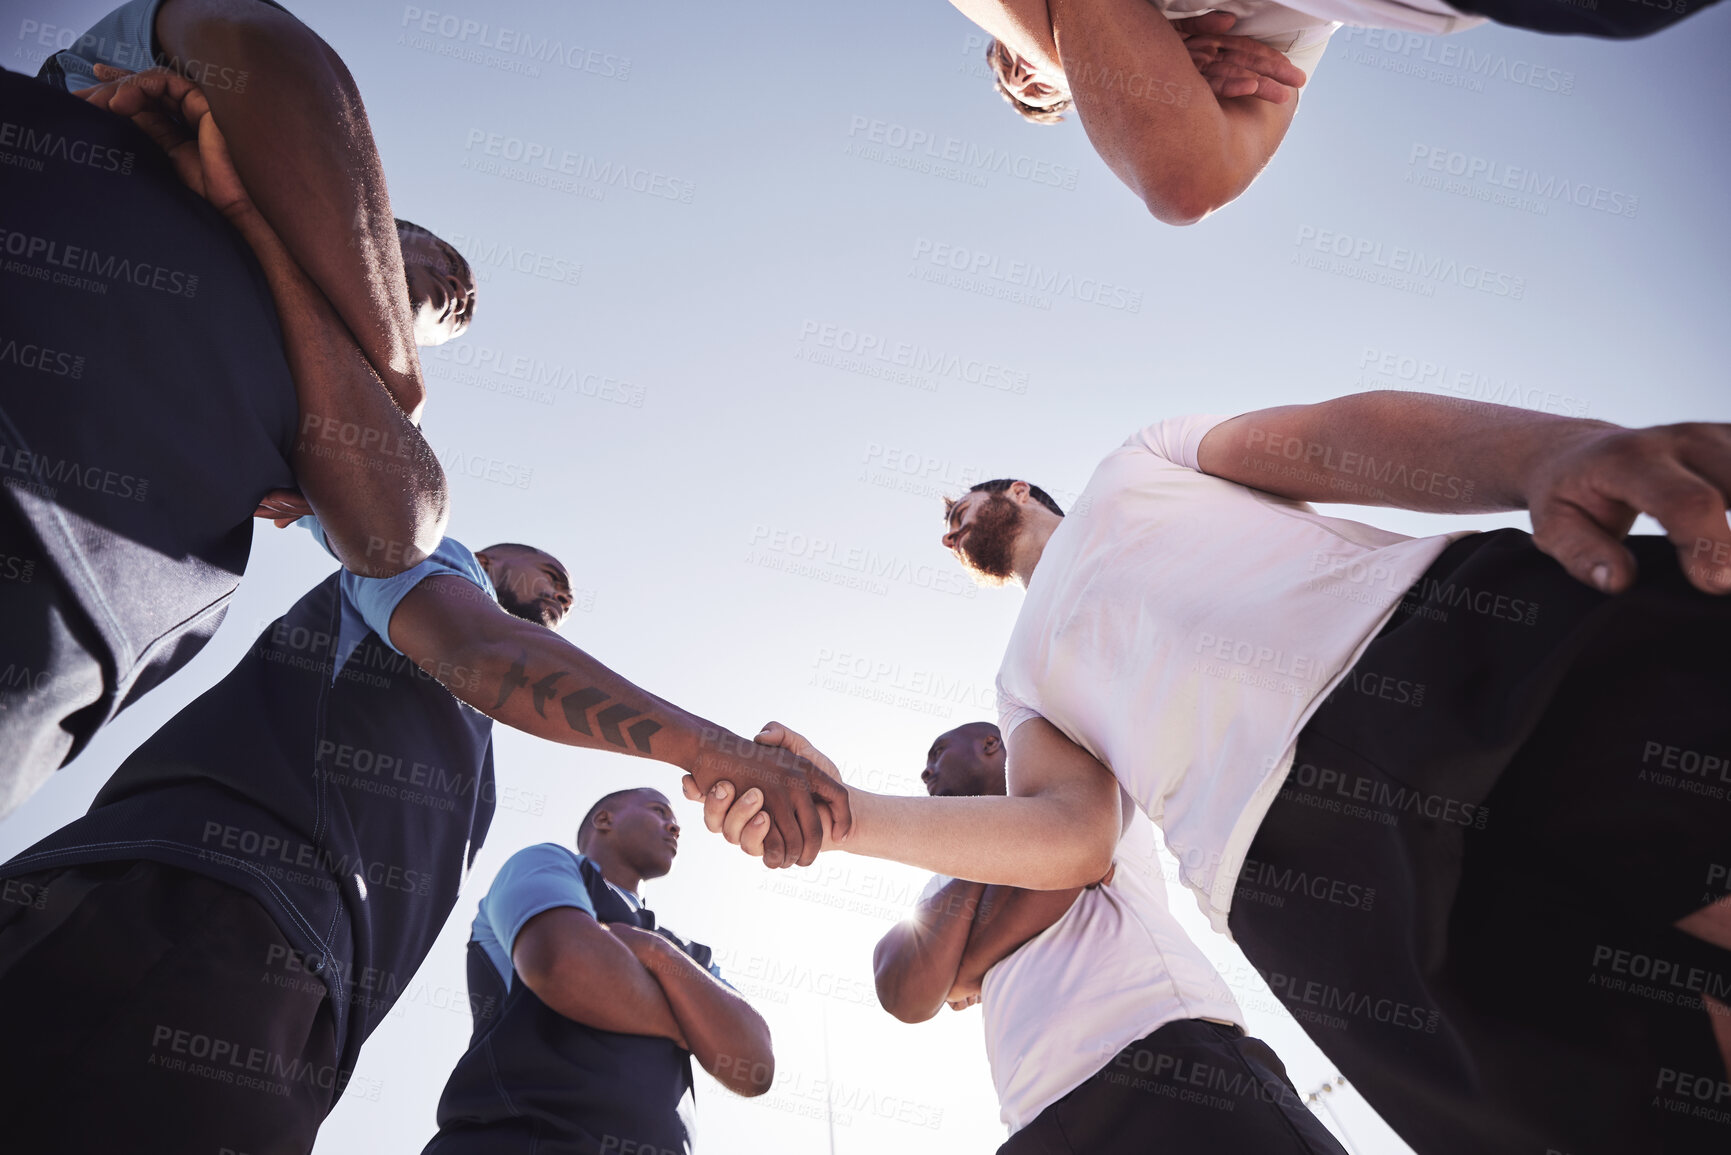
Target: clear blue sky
column 719, row 384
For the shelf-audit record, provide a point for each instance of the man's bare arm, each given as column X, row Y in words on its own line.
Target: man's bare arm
column 302, row 143
column 723, row 1032
column 915, row 964
column 1584, row 482
column 362, row 466
column 1057, row 828
column 1152, row 116
column 528, row 677
column 1009, row 917
column 575, row 966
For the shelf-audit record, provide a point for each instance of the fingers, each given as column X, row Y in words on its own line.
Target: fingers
column 1590, row 552
column 689, row 787
column 754, row 839
column 833, row 796
column 774, row 847
column 810, row 828
column 776, row 734
column 1581, row 520
column 734, row 820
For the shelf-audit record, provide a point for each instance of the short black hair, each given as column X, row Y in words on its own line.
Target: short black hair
column 586, row 828
column 457, row 259
column 1000, row 485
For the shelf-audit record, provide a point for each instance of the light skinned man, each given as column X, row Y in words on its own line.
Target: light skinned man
column 1186, row 116
column 587, row 1011
column 1106, row 1029
column 313, row 814
column 1489, row 730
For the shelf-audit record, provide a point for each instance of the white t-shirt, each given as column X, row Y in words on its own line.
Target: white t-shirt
column 1182, row 628
column 1301, row 36
column 1114, row 968
column 1301, row 28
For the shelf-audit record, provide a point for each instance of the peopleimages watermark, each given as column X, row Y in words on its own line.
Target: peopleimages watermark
column 1680, row 768
column 66, row 264
column 41, row 358
column 496, row 370
column 1514, row 186
column 256, row 1068
column 894, row 684
column 914, row 473
column 1449, row 61
column 1324, row 1004
column 130, row 55
column 1399, row 267
column 938, row 154
column 910, row 363
column 1023, row 282
column 29, row 148
column 40, row 473
column 502, row 48
column 487, row 253
column 542, row 163
column 1393, row 369
column 826, row 559
column 1348, row 470
column 1376, row 800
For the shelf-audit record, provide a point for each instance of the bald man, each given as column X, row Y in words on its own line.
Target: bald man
column 1108, row 1032
column 587, row 1012
column 268, row 870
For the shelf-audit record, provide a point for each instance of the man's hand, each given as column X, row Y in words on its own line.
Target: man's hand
column 790, row 790
column 644, row 945
column 1585, row 495
column 283, row 507
column 1238, row 65
column 174, row 113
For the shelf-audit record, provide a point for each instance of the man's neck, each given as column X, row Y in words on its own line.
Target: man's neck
column 1031, row 545
column 616, row 872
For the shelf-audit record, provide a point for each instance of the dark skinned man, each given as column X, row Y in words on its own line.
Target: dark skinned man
column 124, row 547
column 259, row 880
column 587, row 1012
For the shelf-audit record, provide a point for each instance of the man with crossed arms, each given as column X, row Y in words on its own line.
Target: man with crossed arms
column 128, row 577
column 1106, row 1029
column 1493, row 731
column 1188, row 115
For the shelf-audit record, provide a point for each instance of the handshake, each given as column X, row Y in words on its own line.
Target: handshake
column 778, row 797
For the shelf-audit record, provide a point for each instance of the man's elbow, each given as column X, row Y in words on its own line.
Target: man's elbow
column 892, row 997
column 1184, row 203
column 1183, row 195
column 750, row 1073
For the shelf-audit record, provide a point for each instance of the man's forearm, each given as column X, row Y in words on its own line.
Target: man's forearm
column 531, row 679
column 724, row 1034
column 1010, row 916
column 1152, row 116
column 1054, row 840
column 916, row 963
column 299, row 138
column 1407, row 450
column 365, row 468
column 579, row 969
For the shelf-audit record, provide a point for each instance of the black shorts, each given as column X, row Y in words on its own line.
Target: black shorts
column 152, row 1009
column 1466, row 888
column 1192, row 1087
column 1612, row 19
